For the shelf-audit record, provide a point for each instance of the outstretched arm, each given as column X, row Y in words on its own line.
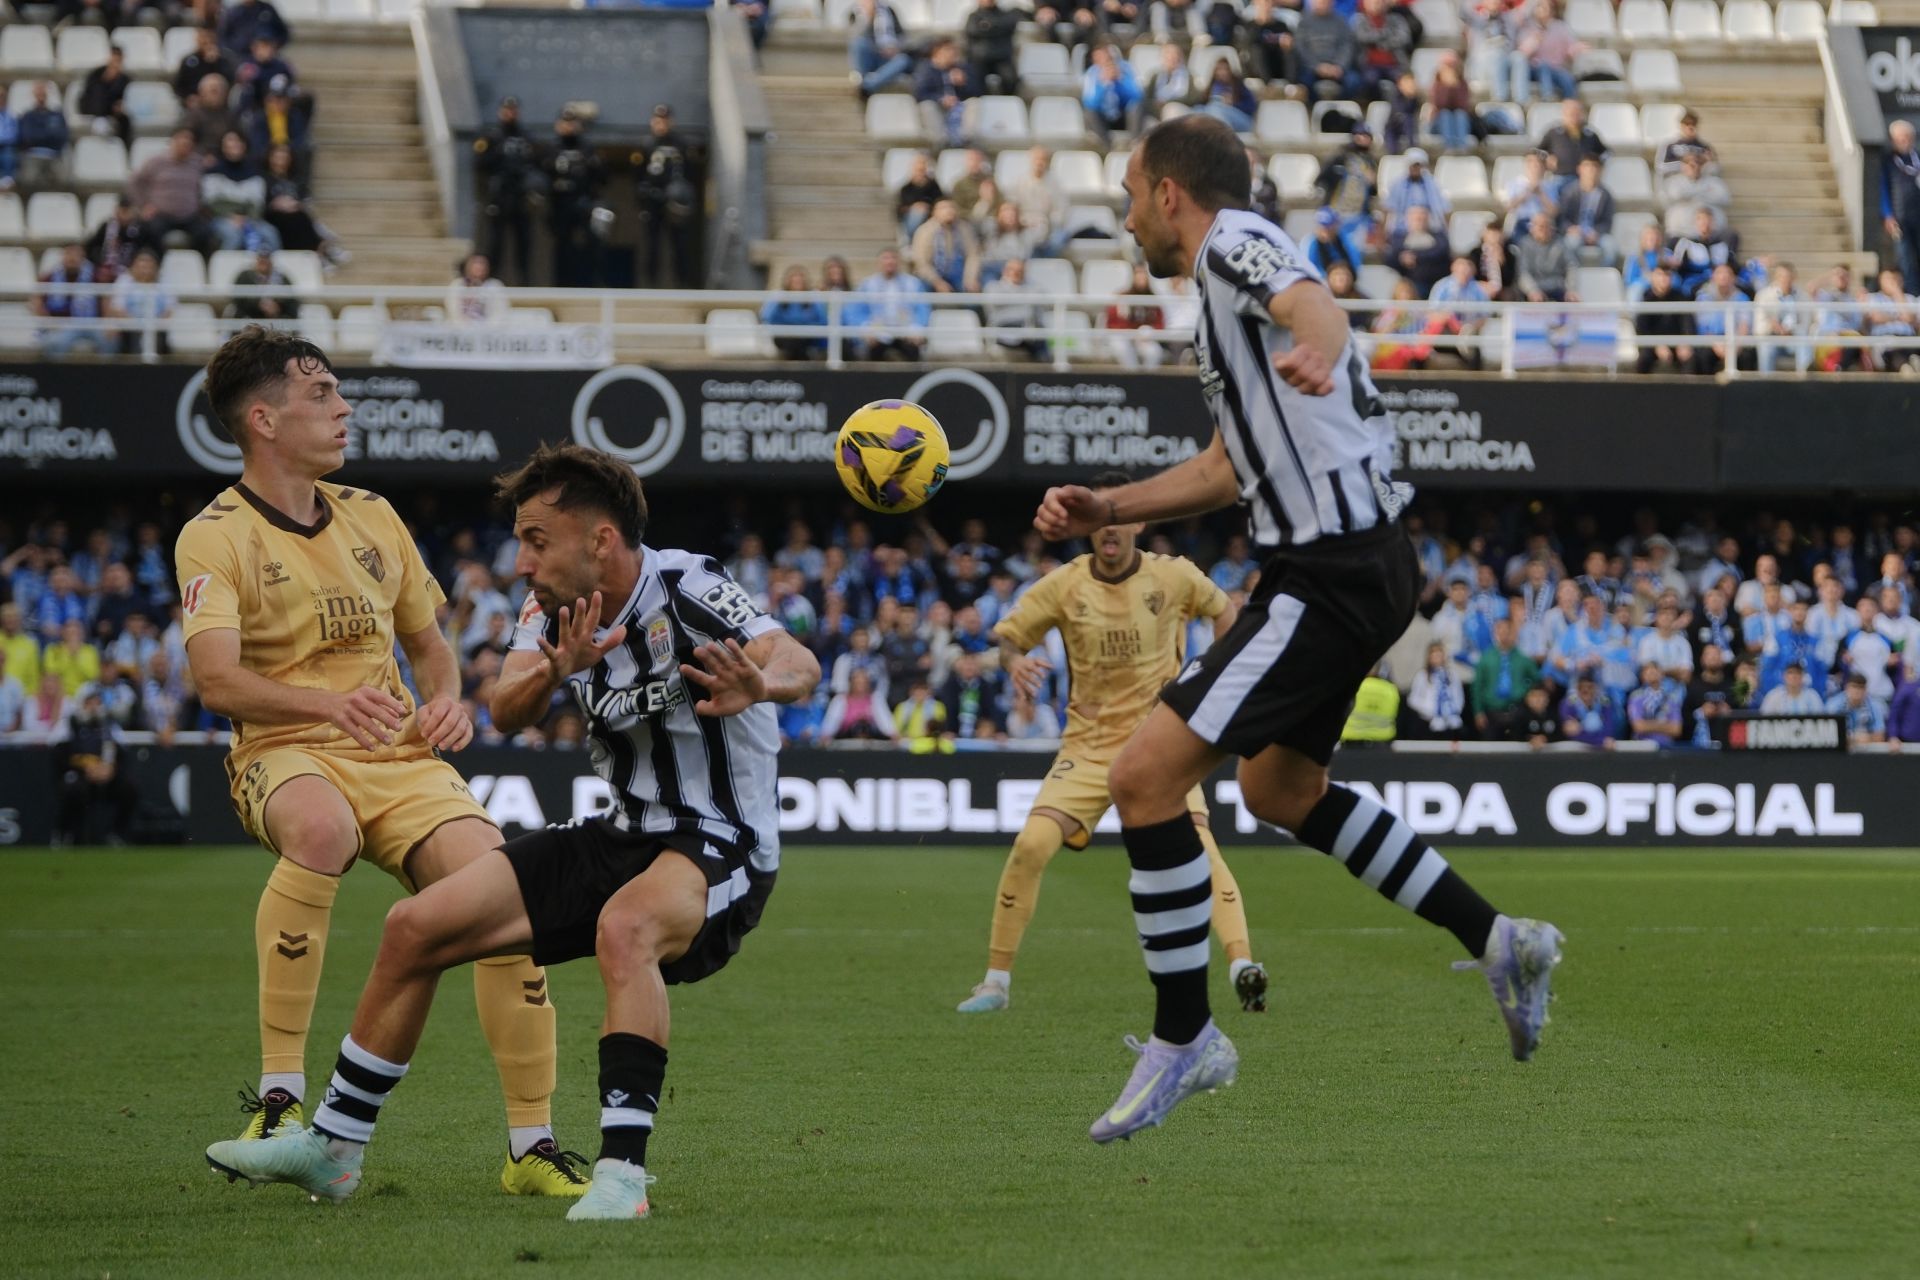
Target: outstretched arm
column 771, row 668
column 1203, row 483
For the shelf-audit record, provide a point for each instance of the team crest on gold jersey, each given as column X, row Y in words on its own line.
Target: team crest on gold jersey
column 369, row 558
column 659, row 640
column 1155, row 600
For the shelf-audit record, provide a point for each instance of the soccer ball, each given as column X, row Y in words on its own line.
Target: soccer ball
column 891, row 456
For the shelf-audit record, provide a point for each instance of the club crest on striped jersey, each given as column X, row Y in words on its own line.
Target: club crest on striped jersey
column 659, row 640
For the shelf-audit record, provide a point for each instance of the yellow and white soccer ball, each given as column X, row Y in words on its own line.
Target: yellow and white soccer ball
column 891, row 456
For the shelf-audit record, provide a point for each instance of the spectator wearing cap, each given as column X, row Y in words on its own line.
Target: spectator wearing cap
column 1587, row 715
column 1530, row 193
column 1687, row 142
column 1549, row 46
column 1696, row 254
column 1347, row 184
column 264, row 275
column 1460, row 285
column 1792, row 696
column 1327, row 246
column 73, row 310
column 1900, row 200
column 889, row 311
column 575, row 174
column 103, row 97
column 667, row 194
column 943, row 85
column 1565, row 143
column 43, row 139
column 990, row 32
column 242, row 23
column 877, row 48
column 1586, row 217
column 1691, row 188
column 206, row 59
column 1325, row 51
column 234, row 193
column 1109, row 93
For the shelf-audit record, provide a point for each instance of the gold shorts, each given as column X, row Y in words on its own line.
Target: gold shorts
column 396, row 804
column 1077, row 787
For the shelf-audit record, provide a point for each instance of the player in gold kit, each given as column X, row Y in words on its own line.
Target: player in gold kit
column 1123, row 616
column 294, row 593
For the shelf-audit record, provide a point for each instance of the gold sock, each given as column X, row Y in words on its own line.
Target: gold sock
column 290, row 939
column 1019, row 891
column 1229, row 913
column 516, row 1015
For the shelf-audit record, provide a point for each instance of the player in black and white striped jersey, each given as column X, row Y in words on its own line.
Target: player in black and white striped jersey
column 1302, row 441
column 675, row 686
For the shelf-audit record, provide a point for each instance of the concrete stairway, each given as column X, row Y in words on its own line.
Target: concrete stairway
column 372, row 179
column 1761, row 110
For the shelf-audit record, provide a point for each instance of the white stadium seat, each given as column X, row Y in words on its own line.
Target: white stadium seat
column 1629, row 179
column 1392, row 169
column 1750, row 21
column 303, row 10
column 1105, row 277
column 19, row 330
column 1298, row 225
column 1057, row 121
column 100, row 207
column 78, row 50
column 1618, row 125
column 301, row 267
column 53, row 217
column 143, row 150
column 26, row 50
column 1200, row 64
column 953, row 334
column 1653, row 73
column 944, row 15
column 1464, row 228
column 1541, row 116
column 1425, row 62
column 1376, row 280
column 838, row 15
column 99, row 162
column 1294, row 175
column 13, row 218
column 1441, row 21
column 1599, row 65
column 898, row 163
column 1660, row 121
column 1505, row 170
column 1079, row 176
column 1277, row 120
column 1116, row 173
column 1643, row 21
column 1464, row 179
column 1145, row 59
column 797, row 13
column 1800, row 19
column 1045, row 66
column 176, row 44
column 530, row 318
column 1854, row 13
column 1627, row 227
column 1695, row 20
column 1598, row 284
column 915, row 15
column 193, row 329
column 999, row 119
column 141, row 48
column 893, row 115
column 1591, row 20
column 183, row 269
column 16, row 269
column 357, row 327
column 152, row 107
column 1052, row 275
column 1092, row 217
column 352, row 10
column 225, row 265
column 735, row 335
column 1010, row 167
column 316, row 324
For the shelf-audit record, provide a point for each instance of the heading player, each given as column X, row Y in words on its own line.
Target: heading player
column 1123, row 616
column 662, row 888
column 293, row 594
column 1303, row 441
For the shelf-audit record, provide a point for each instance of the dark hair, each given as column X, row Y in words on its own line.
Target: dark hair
column 1109, row 480
column 1204, row 157
column 253, row 363
column 586, row 478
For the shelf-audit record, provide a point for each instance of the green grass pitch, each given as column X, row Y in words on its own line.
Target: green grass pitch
column 1728, row 1088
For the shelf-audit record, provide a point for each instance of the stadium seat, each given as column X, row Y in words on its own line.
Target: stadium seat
column 1598, row 68
column 352, row 10
column 1505, row 170
column 1501, row 141
column 1654, row 73
column 1045, row 66
column 1425, row 61
column 1464, row 228
column 837, row 15
column 1659, row 121
column 141, row 48
column 1392, row 169
column 1376, row 280
column 304, row 10
column 736, row 335
column 1643, row 22
column 1800, row 19
column 143, row 150
column 945, row 15
column 100, row 207
column 1629, row 179
column 1598, row 284
column 1294, row 175
column 1627, row 226
column 1321, row 110
column 1052, row 275
column 316, row 324
column 894, row 116
column 1749, row 21
column 898, row 163
column 1695, row 20
column 1105, row 277
column 357, row 327
column 176, row 44
column 1299, row 225
column 1174, row 110
column 1009, row 167
column 1854, row 13
column 302, row 268
column 26, row 50
column 78, row 50
column 1093, row 217
column 193, row 329
column 796, row 13
column 1376, row 118
column 99, row 162
column 1591, row 20
column 53, row 217
column 1464, row 179
column 1278, row 120
column 152, row 107
column 1079, row 176
column 954, row 335
column 915, row 15
column 16, row 270
column 183, row 269
column 13, row 218
column 1200, row 62
column 1541, row 116
column 226, row 264
column 19, row 332
column 1440, row 21
column 49, row 259
column 1116, row 173
column 1618, row 125
column 1144, row 57
column 1057, row 121
column 1000, row 120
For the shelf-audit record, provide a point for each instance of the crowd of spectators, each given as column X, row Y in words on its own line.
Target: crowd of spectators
column 1531, row 629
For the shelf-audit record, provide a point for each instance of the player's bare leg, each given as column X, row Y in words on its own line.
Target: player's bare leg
column 651, row 921
column 1040, row 838
column 1172, row 889
column 312, row 826
column 517, row 1016
column 1290, row 790
column 469, row 914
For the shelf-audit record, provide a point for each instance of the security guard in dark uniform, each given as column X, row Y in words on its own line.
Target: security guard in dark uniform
column 509, row 160
column 574, row 178
column 668, row 200
column 86, row 750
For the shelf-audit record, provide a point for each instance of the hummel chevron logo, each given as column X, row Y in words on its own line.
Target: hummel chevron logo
column 1008, row 901
column 292, row 945
column 617, row 1097
column 536, row 991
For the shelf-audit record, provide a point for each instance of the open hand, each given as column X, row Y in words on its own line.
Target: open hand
column 733, row 681
column 578, row 650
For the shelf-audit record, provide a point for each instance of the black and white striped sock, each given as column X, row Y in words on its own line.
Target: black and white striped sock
column 361, row 1083
column 1387, row 855
column 1172, row 889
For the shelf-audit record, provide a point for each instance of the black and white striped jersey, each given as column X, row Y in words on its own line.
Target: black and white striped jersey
column 1309, row 467
column 672, row 770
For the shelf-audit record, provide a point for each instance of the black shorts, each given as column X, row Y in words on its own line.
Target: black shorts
column 1286, row 671
column 568, row 873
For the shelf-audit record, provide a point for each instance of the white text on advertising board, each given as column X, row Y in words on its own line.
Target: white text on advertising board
column 764, row 420
column 32, row 429
column 1433, row 433
column 1091, row 425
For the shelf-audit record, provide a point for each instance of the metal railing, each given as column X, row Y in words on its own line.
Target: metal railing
column 1069, row 324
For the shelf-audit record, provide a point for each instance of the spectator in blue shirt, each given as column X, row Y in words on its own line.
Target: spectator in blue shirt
column 1109, row 93
column 1329, row 245
column 1230, row 572
column 1792, row 697
column 1587, row 715
column 1459, row 285
column 42, row 140
column 1792, row 646
column 59, row 604
column 889, row 309
column 9, row 147
column 73, row 268
column 1229, row 99
column 1417, row 187
column 1639, row 267
column 1866, row 716
column 1653, row 709
column 793, row 311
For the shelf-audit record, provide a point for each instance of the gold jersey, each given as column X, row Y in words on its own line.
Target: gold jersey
column 317, row 607
column 1124, row 640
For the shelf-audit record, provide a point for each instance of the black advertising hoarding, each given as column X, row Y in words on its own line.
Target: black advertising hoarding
column 1893, row 69
column 1744, row 799
column 775, row 426
column 1782, row 435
